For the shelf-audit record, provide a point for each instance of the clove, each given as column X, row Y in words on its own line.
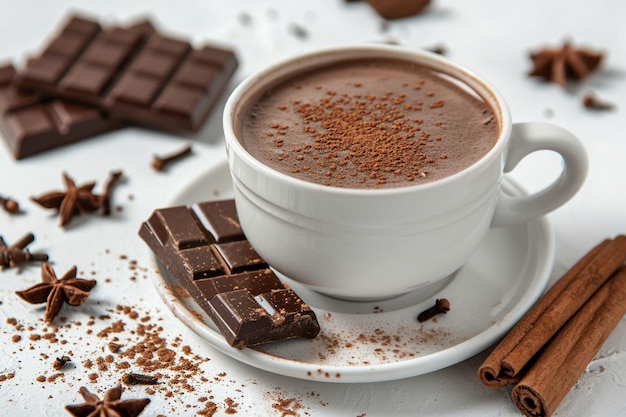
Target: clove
column 442, row 306
column 108, row 188
column 16, row 254
column 159, row 162
column 132, row 378
column 592, row 102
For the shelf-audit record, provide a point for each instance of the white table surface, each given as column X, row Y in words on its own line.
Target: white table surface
column 491, row 37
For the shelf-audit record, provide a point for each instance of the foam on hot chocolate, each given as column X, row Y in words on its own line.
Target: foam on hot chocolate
column 368, row 124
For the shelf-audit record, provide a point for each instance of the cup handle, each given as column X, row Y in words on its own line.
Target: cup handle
column 530, row 137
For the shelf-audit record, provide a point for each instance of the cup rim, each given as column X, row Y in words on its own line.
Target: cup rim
column 487, row 91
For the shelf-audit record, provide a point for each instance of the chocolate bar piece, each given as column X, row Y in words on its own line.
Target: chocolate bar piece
column 138, row 76
column 31, row 124
column 205, row 250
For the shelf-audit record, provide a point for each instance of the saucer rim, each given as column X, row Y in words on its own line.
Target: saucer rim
column 351, row 373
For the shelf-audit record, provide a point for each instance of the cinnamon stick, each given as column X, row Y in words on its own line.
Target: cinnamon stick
column 566, row 357
column 551, row 312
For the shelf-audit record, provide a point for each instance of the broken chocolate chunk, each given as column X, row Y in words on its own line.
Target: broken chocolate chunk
column 205, row 250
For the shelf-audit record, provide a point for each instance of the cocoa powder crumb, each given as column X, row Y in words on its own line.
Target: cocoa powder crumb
column 231, row 406
column 287, row 406
column 209, row 409
column 114, row 347
column 54, row 377
column 9, row 375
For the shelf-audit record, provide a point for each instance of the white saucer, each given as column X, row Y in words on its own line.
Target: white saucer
column 368, row 342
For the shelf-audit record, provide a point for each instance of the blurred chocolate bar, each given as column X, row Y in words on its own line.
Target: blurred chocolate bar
column 398, row 9
column 32, row 124
column 205, row 250
column 133, row 73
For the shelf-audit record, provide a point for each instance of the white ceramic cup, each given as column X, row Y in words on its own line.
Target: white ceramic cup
column 365, row 244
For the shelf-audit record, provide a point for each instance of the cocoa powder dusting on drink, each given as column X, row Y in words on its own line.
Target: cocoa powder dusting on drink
column 366, row 124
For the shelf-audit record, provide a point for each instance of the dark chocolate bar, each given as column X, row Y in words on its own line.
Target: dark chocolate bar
column 205, row 250
column 31, row 124
column 133, row 73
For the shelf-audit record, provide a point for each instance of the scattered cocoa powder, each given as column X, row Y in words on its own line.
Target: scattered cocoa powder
column 289, row 406
column 7, row 376
column 231, row 406
column 125, row 339
column 209, row 409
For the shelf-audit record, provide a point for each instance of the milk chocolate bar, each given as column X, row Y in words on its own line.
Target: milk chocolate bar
column 31, row 124
column 133, row 73
column 205, row 250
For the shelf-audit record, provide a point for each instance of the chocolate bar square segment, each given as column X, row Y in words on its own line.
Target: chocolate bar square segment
column 256, row 282
column 81, row 27
column 62, row 50
column 180, row 102
column 239, row 317
column 288, row 310
column 245, row 320
column 239, row 256
column 48, row 68
column 176, row 227
column 30, row 122
column 136, row 90
column 107, row 53
column 200, row 263
column 152, row 63
column 220, row 219
column 68, row 44
column 87, row 78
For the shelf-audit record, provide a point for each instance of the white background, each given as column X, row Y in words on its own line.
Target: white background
column 493, row 38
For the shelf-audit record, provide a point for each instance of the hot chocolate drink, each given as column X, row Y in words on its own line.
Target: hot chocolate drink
column 368, row 124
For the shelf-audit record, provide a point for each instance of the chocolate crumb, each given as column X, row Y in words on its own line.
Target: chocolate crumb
column 60, row 362
column 114, row 347
column 132, row 378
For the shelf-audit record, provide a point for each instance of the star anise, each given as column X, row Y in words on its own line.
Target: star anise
column 54, row 291
column 558, row 65
column 110, row 406
column 15, row 254
column 77, row 200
